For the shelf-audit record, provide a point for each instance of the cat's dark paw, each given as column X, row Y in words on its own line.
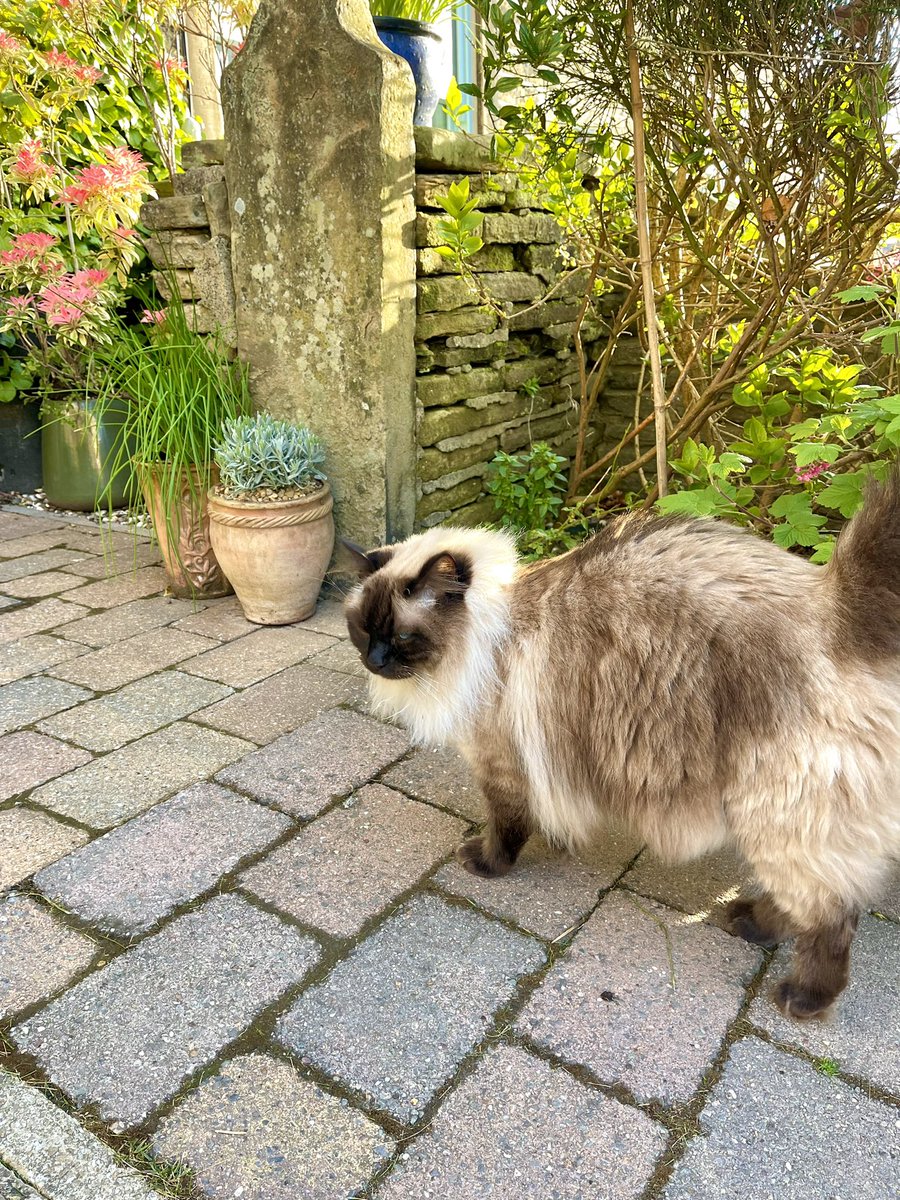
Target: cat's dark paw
column 474, row 858
column 740, row 918
column 802, row 1003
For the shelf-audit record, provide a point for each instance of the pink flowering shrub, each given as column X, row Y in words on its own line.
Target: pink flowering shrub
column 78, row 77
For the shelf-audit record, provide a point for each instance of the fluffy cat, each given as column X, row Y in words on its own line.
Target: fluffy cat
column 684, row 678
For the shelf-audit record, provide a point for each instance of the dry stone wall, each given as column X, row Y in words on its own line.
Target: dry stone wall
column 484, row 383
column 190, row 242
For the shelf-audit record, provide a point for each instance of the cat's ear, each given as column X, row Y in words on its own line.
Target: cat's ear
column 365, row 562
column 444, row 573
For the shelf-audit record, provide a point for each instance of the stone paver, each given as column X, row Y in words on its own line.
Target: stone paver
column 109, row 593
column 127, row 1037
column 395, row 1018
column 130, row 878
column 28, row 700
column 32, row 543
column 862, row 1035
column 442, row 777
column 250, row 659
column 328, row 618
column 342, row 657
column 775, row 1128
column 328, row 757
column 221, row 621
column 37, row 618
column 281, row 703
column 343, row 868
column 46, row 583
column 38, row 954
column 13, row 1187
column 30, row 840
column 31, row 654
column 135, row 710
column 33, row 564
column 547, row 891
column 518, row 1127
column 702, row 888
column 609, row 1004
column 30, row 758
column 17, row 524
column 117, row 560
column 128, row 781
column 50, row 1150
column 126, row 661
column 258, row 1122
column 117, row 624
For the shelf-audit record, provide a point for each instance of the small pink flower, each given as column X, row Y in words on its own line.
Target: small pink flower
column 169, row 65
column 57, row 61
column 36, row 241
column 9, row 46
column 813, row 471
column 153, row 317
column 93, row 278
column 87, row 75
column 29, row 246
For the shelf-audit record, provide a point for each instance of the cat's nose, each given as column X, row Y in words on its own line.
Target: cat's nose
column 378, row 655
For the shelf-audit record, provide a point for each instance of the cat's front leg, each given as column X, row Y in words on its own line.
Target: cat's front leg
column 508, row 828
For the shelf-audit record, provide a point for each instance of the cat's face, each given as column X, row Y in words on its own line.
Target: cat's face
column 406, row 614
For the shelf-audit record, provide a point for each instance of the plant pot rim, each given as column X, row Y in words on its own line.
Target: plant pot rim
column 322, row 493
column 405, row 25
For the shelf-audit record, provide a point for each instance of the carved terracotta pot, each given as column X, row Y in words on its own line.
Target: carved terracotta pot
column 191, row 565
column 275, row 553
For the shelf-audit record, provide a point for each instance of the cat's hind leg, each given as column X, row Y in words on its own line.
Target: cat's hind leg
column 758, row 920
column 820, row 968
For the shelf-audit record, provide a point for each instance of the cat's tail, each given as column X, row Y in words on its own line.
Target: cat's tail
column 865, row 570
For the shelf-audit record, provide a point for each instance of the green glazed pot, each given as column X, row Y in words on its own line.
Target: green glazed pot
column 78, row 452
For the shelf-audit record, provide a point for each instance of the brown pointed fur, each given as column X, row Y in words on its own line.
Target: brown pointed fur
column 683, row 678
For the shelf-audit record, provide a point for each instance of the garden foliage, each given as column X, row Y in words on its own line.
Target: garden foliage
column 260, row 451
column 774, row 182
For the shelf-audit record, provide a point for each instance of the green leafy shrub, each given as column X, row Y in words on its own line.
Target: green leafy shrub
column 259, row 451
column 529, row 492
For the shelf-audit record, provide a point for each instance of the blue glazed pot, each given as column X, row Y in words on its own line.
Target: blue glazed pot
column 422, row 47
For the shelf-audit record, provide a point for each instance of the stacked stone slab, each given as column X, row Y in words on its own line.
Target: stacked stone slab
column 190, row 242
column 486, row 383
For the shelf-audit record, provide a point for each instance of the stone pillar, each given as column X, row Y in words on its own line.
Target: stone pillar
column 320, row 170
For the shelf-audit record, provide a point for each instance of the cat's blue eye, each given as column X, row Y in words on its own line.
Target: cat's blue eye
column 403, row 636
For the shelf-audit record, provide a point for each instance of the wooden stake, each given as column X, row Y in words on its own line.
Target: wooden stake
column 643, row 231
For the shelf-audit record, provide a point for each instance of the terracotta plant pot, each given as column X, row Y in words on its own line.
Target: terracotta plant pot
column 191, row 565
column 275, row 553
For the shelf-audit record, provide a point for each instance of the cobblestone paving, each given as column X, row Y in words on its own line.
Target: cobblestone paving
column 238, row 959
